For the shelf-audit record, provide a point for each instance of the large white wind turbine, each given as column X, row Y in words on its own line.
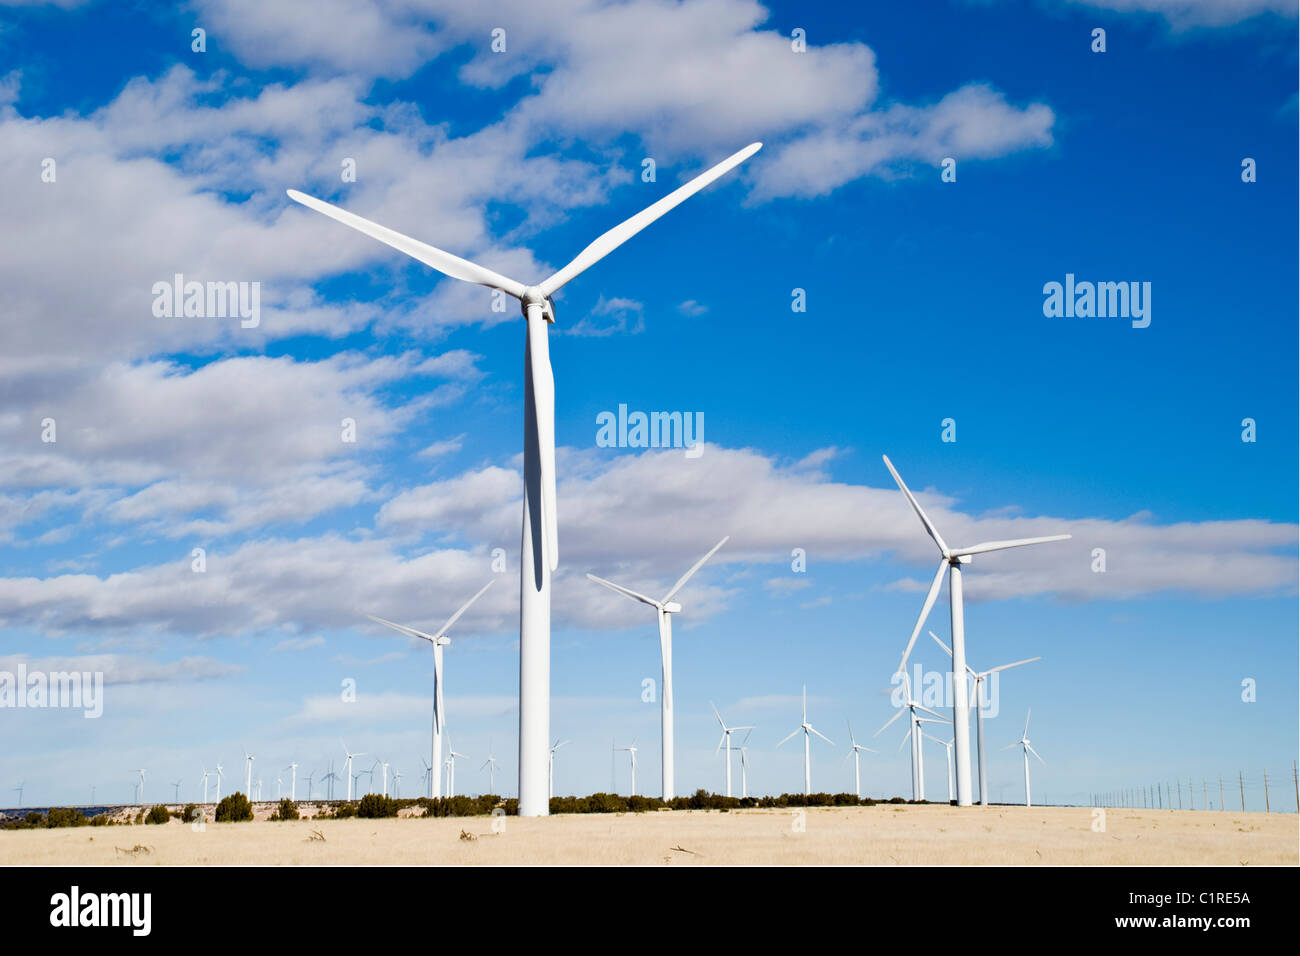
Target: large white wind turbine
column 913, row 708
column 1028, row 748
column 439, row 641
column 726, row 741
column 807, row 730
column 539, row 548
column 665, row 608
column 952, row 559
column 855, row 751
column 248, row 786
column 977, row 702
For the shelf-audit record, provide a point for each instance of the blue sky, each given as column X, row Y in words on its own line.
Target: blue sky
column 924, row 302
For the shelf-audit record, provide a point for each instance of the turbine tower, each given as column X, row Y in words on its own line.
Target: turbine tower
column 744, row 768
column 220, row 773
column 491, row 765
column 952, row 559
column 1028, row 748
column 664, row 609
column 976, row 702
column 439, row 641
column 293, row 782
column 539, row 548
column 248, row 786
column 855, row 751
column 807, row 729
column 452, row 757
column 947, row 746
column 726, row 741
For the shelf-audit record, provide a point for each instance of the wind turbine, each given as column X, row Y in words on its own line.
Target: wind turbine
column 726, row 740
column 952, row 559
column 220, row 774
column 140, row 796
column 248, row 783
column 807, row 729
column 664, row 609
column 947, row 746
column 308, row 777
column 328, row 779
column 452, row 757
column 383, row 777
column 439, row 641
column 19, row 790
column 550, row 767
column 397, row 783
column 177, row 785
column 348, row 772
column 976, row 702
column 491, row 765
column 910, row 707
column 1028, row 749
column 855, row 751
column 744, row 768
column 204, row 779
column 429, row 775
column 293, row 781
column 632, row 753
column 539, row 547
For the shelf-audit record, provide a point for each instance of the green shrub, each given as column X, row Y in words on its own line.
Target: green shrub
column 287, row 810
column 188, row 814
column 158, row 814
column 234, row 809
column 375, row 805
column 65, row 817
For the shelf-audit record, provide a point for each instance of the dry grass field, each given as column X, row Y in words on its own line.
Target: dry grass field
column 881, row 834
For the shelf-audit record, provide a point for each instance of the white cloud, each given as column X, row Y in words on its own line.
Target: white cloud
column 1183, row 14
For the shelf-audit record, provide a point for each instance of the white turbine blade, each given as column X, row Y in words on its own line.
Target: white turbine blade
column 412, row 632
column 1031, row 749
column 542, row 379
column 463, row 608
column 1009, row 746
column 1003, row 667
column 906, row 737
column 695, row 567
column 898, row 713
column 621, row 233
column 784, row 739
column 721, row 740
column 1027, row 713
column 719, row 716
column 627, row 592
column 822, row 735
column 444, row 262
column 925, row 610
column 1003, row 545
column 930, row 529
column 927, row 710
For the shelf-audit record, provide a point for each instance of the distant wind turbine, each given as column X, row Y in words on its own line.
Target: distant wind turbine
column 491, row 765
column 631, row 751
column 665, row 607
column 539, row 545
column 855, row 751
column 952, row 559
column 348, row 770
column 977, row 702
column 1028, row 749
column 19, row 790
column 293, row 782
column 248, row 782
column 807, row 729
column 913, row 708
column 550, row 767
column 452, row 757
column 439, row 640
column 726, row 741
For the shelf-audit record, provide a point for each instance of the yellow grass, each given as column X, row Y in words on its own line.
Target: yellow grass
column 852, row 835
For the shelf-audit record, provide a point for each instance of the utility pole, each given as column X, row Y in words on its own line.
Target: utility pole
column 1241, row 784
